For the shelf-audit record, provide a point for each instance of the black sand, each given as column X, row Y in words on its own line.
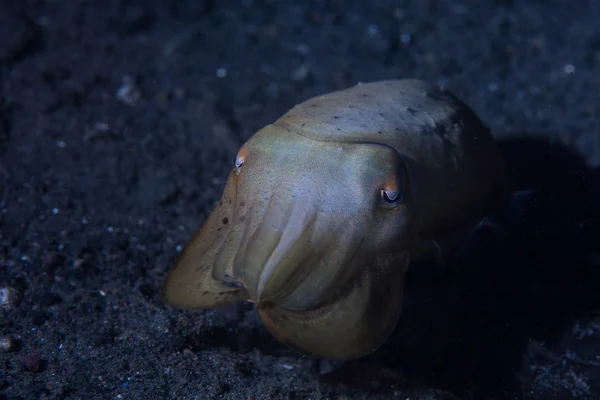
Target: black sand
column 119, row 121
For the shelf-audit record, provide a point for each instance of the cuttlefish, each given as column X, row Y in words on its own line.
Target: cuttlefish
column 325, row 209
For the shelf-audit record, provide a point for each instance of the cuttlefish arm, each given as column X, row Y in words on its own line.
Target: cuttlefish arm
column 191, row 282
column 348, row 326
column 324, row 298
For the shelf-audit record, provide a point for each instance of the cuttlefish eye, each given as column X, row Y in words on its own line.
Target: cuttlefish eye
column 239, row 161
column 391, row 198
column 393, row 189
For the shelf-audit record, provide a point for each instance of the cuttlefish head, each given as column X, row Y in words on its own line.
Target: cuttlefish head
column 314, row 233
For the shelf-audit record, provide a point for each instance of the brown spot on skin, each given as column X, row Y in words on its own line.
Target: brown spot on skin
column 242, row 203
column 225, row 221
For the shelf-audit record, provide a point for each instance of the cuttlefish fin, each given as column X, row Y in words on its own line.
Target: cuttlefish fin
column 353, row 324
column 191, row 283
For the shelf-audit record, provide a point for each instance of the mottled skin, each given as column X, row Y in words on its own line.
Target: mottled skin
column 326, row 208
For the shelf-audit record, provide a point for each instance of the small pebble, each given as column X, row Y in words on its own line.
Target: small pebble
column 128, row 93
column 373, row 30
column 300, row 73
column 405, row 38
column 98, row 130
column 7, row 344
column 221, row 72
column 9, row 298
column 33, row 363
column 569, row 69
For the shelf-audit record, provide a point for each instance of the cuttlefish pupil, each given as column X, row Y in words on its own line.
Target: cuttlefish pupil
column 325, row 209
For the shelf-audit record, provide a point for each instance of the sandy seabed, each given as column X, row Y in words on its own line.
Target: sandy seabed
column 119, row 121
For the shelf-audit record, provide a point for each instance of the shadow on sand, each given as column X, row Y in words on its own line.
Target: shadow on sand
column 465, row 328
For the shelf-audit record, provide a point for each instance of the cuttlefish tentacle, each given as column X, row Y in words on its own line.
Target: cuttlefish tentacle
column 279, row 276
column 333, row 261
column 266, row 237
column 348, row 326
